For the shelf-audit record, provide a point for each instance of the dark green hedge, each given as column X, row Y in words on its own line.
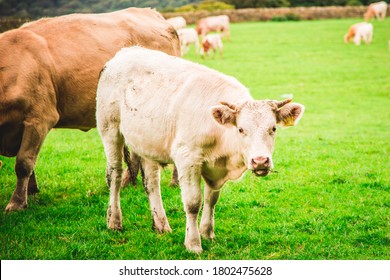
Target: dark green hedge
column 39, row 8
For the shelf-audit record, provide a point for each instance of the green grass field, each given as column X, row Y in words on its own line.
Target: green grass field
column 329, row 200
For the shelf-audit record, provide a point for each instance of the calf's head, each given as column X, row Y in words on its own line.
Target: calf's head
column 255, row 124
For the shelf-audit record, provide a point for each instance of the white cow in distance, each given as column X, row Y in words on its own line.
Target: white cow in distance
column 360, row 31
column 187, row 37
column 177, row 22
column 167, row 110
column 377, row 10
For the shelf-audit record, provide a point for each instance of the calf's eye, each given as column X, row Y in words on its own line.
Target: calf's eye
column 241, row 130
column 272, row 130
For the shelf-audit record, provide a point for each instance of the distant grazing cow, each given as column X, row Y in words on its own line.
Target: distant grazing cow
column 49, row 72
column 209, row 126
column 212, row 43
column 360, row 31
column 216, row 24
column 177, row 22
column 187, row 37
column 377, row 10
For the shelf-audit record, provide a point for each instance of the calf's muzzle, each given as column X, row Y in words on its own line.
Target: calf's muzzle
column 261, row 166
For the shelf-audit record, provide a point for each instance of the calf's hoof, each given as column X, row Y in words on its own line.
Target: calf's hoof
column 193, row 244
column 114, row 220
column 207, row 233
column 196, row 249
column 161, row 226
column 114, row 224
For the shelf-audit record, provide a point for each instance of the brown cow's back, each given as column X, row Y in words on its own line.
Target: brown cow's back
column 80, row 45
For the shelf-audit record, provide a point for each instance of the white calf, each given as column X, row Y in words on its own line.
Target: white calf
column 360, row 31
column 168, row 109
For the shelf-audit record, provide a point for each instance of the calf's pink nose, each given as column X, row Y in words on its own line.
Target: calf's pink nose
column 261, row 162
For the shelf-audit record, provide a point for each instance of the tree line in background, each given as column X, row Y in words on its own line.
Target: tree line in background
column 39, row 8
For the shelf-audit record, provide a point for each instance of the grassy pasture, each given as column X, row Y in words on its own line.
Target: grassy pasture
column 329, row 200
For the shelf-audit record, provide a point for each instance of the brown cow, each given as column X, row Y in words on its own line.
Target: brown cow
column 49, row 71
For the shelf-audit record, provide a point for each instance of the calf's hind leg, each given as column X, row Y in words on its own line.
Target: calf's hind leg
column 151, row 181
column 113, row 147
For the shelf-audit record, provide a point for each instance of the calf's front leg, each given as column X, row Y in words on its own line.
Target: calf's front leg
column 211, row 195
column 189, row 179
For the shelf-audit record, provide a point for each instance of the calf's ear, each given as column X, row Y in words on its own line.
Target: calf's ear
column 289, row 114
column 224, row 114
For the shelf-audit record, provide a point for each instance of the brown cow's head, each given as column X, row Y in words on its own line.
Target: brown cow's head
column 199, row 27
column 370, row 13
column 255, row 123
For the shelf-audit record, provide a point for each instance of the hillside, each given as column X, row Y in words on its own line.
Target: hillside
column 37, row 8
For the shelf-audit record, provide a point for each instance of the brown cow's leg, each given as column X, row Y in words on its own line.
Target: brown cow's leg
column 126, row 176
column 174, row 179
column 32, row 187
column 132, row 161
column 33, row 137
